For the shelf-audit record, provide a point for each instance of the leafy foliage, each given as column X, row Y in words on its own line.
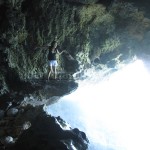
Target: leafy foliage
column 3, row 86
column 91, row 14
column 111, row 44
column 85, row 31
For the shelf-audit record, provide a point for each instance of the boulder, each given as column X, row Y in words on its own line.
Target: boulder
column 12, row 112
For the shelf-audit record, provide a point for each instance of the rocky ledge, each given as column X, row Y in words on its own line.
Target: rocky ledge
column 25, row 125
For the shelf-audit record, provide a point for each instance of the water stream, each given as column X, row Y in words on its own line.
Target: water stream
column 113, row 112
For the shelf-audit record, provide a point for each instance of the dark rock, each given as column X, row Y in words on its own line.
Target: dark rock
column 1, row 2
column 26, row 125
column 111, row 64
column 12, row 112
column 82, row 26
column 46, row 133
column 96, row 61
column 83, row 1
column 1, row 113
column 7, row 140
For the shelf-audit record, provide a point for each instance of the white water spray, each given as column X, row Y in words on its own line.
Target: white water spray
column 114, row 113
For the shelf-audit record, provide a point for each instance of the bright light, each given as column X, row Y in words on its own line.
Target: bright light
column 114, row 113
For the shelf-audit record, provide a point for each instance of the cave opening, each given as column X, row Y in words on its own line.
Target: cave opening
column 113, row 111
column 98, row 89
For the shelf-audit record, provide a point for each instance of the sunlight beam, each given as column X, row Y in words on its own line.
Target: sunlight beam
column 114, row 113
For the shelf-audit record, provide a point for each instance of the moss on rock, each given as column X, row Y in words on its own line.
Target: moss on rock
column 3, row 85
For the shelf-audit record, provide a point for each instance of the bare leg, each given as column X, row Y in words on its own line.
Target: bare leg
column 55, row 71
column 51, row 71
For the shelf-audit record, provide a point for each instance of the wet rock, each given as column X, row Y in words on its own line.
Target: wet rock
column 2, row 132
column 26, row 125
column 83, row 1
column 1, row 114
column 7, row 140
column 50, row 133
column 12, row 112
column 9, row 104
column 49, row 91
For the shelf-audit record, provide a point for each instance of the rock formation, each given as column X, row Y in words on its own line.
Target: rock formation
column 95, row 33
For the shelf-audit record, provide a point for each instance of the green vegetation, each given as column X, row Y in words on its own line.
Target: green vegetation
column 83, row 56
column 3, row 86
column 91, row 14
column 85, row 31
column 111, row 44
column 22, row 36
column 131, row 18
column 39, row 38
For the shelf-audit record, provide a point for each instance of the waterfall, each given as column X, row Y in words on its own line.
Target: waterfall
column 113, row 112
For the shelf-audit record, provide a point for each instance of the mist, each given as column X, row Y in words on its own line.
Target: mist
column 113, row 112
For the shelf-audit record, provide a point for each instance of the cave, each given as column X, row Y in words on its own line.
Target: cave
column 97, row 99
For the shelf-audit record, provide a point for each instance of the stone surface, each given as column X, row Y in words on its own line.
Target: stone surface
column 26, row 125
column 1, row 114
column 83, row 1
column 7, row 140
column 41, row 132
column 12, row 112
column 18, row 117
column 92, row 34
column 86, row 31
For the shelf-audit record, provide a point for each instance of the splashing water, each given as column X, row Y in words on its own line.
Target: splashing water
column 114, row 113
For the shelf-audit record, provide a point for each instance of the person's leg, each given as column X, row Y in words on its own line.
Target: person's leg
column 50, row 71
column 55, row 68
column 55, row 71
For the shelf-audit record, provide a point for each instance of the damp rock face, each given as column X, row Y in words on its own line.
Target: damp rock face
column 31, row 128
column 83, row 1
column 12, row 112
column 7, row 140
column 48, row 132
column 86, row 29
column 1, row 114
column 91, row 33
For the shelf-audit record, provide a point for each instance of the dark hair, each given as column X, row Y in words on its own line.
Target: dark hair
column 53, row 43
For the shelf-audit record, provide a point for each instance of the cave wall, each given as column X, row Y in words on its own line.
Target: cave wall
column 93, row 33
column 29, row 128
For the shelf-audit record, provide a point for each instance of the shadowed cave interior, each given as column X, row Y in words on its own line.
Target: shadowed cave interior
column 98, row 35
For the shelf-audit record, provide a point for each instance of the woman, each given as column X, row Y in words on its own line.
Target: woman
column 52, row 59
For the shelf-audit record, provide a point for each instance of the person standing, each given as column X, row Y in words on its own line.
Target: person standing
column 53, row 51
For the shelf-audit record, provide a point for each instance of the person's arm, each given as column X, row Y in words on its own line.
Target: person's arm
column 64, row 51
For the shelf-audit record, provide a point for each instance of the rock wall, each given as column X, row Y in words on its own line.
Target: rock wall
column 94, row 35
column 91, row 33
column 29, row 128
